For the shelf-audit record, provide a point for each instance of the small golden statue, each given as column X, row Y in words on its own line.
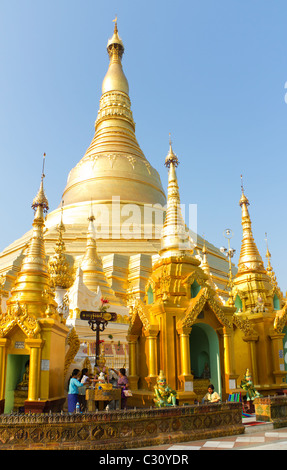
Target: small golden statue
column 101, row 367
column 23, row 385
column 164, row 395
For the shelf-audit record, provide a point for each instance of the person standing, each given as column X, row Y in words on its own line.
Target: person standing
column 85, row 381
column 73, row 391
column 123, row 384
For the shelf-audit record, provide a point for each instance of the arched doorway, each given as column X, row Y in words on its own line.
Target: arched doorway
column 204, row 354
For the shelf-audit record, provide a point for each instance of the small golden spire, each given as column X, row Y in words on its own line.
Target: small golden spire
column 243, row 199
column 92, row 267
column 32, row 286
column 61, row 227
column 171, row 157
column 249, row 259
column 91, row 217
column 269, row 268
column 115, row 43
column 61, row 273
column 116, row 24
column 115, row 79
column 175, row 240
column 204, row 264
column 41, row 200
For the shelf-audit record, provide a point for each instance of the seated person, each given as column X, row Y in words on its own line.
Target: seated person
column 211, row 396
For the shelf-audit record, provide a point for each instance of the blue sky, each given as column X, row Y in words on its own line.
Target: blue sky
column 210, row 72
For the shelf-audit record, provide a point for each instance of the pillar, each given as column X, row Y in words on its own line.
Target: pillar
column 35, row 346
column 4, row 343
column 278, row 357
column 133, row 377
column 151, row 338
column 185, row 372
column 229, row 360
column 251, row 340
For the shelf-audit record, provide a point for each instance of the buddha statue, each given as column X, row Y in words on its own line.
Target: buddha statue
column 23, row 385
column 164, row 395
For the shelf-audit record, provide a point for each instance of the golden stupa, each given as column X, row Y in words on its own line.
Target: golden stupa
column 181, row 307
column 127, row 197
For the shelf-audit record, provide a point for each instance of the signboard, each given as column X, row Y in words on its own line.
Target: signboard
column 98, row 316
column 98, row 322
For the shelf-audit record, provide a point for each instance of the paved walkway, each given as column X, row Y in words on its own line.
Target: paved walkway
column 259, row 436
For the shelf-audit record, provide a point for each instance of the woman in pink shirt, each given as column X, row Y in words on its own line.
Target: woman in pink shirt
column 122, row 383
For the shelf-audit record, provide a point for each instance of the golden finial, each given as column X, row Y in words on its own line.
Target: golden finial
column 268, row 254
column 171, row 157
column 116, row 24
column 43, row 174
column 61, row 226
column 243, row 199
column 204, row 262
column 204, row 247
column 41, row 200
column 91, row 217
column 269, row 268
column 115, row 44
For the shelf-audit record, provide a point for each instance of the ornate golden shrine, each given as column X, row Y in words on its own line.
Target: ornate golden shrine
column 32, row 326
column 159, row 333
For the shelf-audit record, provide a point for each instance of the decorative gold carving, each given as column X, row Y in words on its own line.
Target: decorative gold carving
column 280, row 319
column 73, row 342
column 244, row 325
column 163, row 283
column 61, row 274
column 18, row 315
column 196, row 305
column 138, row 309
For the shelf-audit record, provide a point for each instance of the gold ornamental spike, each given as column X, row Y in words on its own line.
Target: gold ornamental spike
column 115, row 78
column 33, row 283
column 269, row 268
column 92, row 267
column 41, row 200
column 249, row 259
column 175, row 239
column 61, row 274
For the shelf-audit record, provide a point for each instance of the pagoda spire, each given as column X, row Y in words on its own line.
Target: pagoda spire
column 175, row 240
column 60, row 271
column 114, row 156
column 115, row 79
column 204, row 263
column 249, row 259
column 93, row 273
column 269, row 268
column 32, row 285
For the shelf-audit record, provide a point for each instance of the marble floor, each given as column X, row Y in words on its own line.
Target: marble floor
column 259, row 436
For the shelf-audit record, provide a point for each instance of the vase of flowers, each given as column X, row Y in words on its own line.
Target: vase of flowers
column 104, row 305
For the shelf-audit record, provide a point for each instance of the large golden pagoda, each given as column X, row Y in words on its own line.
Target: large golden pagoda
column 127, row 196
